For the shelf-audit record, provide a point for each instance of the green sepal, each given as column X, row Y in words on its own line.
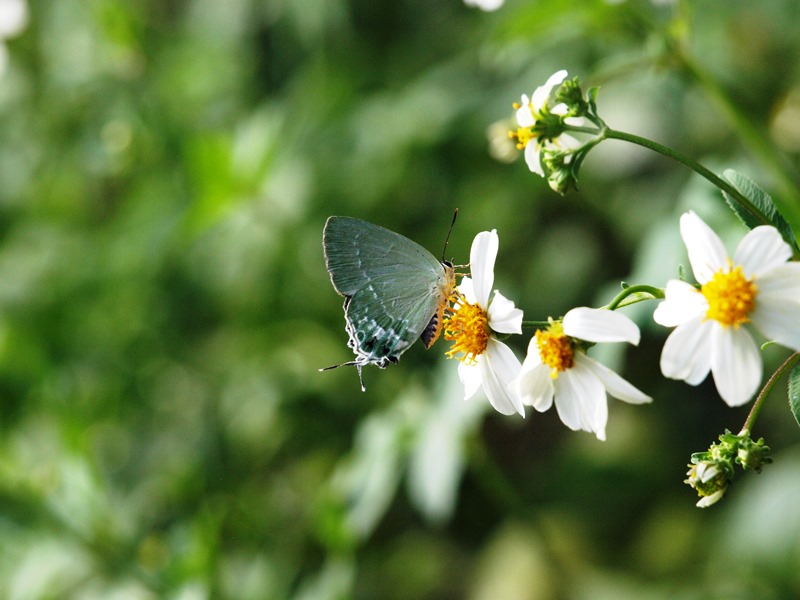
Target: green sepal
column 794, row 392
column 762, row 202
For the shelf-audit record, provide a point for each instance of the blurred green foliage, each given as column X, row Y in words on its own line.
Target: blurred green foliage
column 166, row 168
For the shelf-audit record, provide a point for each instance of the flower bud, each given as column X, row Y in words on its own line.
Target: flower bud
column 710, row 479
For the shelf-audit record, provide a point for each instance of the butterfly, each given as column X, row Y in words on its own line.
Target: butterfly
column 394, row 290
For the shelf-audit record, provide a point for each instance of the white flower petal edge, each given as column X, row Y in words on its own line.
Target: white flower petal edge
column 470, row 377
column 600, row 325
column 532, row 152
column 761, row 251
column 498, row 368
column 706, row 251
column 524, row 113
column 482, row 257
column 504, row 317
column 580, row 400
column 736, row 364
column 541, row 95
column 467, row 289
column 778, row 320
column 534, row 384
column 616, row 386
column 781, row 283
column 682, row 302
column 686, row 353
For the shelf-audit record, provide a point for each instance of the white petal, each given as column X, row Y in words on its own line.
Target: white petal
column 706, row 251
column 707, row 501
column 467, row 289
column 615, row 385
column 532, row 150
column 534, row 387
column 683, row 302
column 735, row 363
column 779, row 320
column 499, row 367
column 600, row 325
column 686, row 353
column 534, row 384
column 470, row 376
column 581, row 400
column 782, row 282
column 524, row 115
column 706, row 472
column 482, row 256
column 541, row 94
column 566, row 142
column 503, row 316
column 576, row 122
column 761, row 250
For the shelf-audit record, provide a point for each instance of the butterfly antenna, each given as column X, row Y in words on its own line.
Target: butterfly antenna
column 449, row 231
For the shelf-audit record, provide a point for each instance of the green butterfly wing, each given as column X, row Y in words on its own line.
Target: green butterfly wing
column 392, row 287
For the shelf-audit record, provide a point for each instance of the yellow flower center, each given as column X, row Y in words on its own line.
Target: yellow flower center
column 467, row 326
column 555, row 348
column 731, row 297
column 523, row 135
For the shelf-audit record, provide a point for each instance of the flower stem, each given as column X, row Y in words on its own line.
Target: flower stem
column 695, row 166
column 536, row 324
column 784, row 173
column 654, row 293
column 788, row 364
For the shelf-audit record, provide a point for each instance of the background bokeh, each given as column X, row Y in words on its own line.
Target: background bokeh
column 166, row 168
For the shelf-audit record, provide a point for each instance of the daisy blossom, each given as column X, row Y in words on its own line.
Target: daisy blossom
column 557, row 369
column 539, row 126
column 758, row 286
column 472, row 323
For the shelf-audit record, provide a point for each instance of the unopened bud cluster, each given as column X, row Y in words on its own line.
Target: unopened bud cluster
column 711, row 472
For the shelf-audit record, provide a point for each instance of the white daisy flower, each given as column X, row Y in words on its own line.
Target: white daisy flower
column 557, row 369
column 758, row 286
column 472, row 323
column 536, row 110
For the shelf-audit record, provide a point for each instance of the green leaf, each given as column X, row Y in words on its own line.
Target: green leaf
column 794, row 393
column 763, row 203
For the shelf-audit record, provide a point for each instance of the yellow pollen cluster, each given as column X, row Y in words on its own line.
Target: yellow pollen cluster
column 555, row 349
column 731, row 297
column 523, row 135
column 467, row 326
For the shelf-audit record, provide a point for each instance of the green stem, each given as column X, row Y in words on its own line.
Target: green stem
column 654, row 293
column 695, row 166
column 786, row 177
column 536, row 324
column 788, row 364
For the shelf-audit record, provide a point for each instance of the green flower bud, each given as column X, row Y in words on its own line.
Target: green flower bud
column 571, row 94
